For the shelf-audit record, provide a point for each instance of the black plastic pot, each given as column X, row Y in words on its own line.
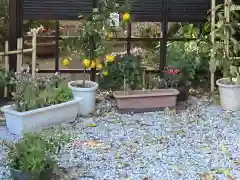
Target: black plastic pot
column 183, row 93
column 2, row 95
column 18, row 175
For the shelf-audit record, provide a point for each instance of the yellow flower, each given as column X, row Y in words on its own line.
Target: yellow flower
column 99, row 66
column 110, row 58
column 86, row 63
column 93, row 64
column 126, row 17
column 105, row 73
column 66, row 61
column 110, row 36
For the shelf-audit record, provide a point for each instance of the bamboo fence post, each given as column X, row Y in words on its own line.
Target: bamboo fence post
column 149, row 81
column 227, row 16
column 18, row 54
column 144, row 80
column 213, row 34
column 34, row 48
column 6, row 58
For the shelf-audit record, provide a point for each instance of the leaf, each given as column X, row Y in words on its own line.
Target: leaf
column 92, row 125
column 118, row 155
column 204, row 148
column 223, row 148
column 237, row 162
column 181, row 131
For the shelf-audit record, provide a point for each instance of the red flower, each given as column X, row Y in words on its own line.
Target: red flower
column 44, row 30
column 171, row 70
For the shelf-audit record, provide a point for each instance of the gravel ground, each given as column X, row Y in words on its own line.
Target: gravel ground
column 167, row 145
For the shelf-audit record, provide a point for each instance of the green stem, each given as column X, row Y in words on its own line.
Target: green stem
column 84, row 77
column 238, row 75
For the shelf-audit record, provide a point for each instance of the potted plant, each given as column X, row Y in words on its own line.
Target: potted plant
column 33, row 157
column 93, row 51
column 129, row 100
column 39, row 103
column 3, row 83
column 46, row 41
column 224, row 53
column 174, row 78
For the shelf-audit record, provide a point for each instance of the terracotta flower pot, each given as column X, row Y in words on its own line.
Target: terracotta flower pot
column 46, row 45
column 148, row 100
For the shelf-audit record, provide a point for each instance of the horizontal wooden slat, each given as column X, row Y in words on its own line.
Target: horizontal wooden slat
column 147, row 10
column 142, row 10
column 187, row 10
column 56, row 9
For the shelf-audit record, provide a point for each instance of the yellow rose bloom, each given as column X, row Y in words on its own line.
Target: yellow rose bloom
column 110, row 58
column 86, row 63
column 105, row 73
column 99, row 66
column 126, row 17
column 93, row 64
column 65, row 61
column 110, row 36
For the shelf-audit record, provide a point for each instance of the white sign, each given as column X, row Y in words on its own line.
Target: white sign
column 114, row 17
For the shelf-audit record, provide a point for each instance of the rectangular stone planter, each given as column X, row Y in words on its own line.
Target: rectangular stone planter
column 37, row 119
column 145, row 101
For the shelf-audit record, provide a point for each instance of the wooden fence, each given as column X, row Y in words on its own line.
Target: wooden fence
column 20, row 51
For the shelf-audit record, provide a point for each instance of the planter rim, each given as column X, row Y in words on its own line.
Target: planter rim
column 17, row 170
column 9, row 108
column 220, row 84
column 145, row 93
column 39, row 44
column 93, row 88
column 51, row 36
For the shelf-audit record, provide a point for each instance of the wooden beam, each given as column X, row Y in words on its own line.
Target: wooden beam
column 15, row 30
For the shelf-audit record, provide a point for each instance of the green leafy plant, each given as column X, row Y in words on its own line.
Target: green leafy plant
column 4, row 78
column 114, row 79
column 172, row 78
column 186, row 57
column 125, row 72
column 36, row 93
column 34, row 154
column 149, row 30
column 94, row 31
column 221, row 55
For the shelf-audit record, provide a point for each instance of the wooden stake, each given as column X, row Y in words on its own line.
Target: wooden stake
column 6, row 58
column 15, row 52
column 124, row 85
column 213, row 34
column 149, row 81
column 144, row 80
column 18, row 55
column 34, row 48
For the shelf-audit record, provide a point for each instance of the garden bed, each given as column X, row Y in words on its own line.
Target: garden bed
column 156, row 145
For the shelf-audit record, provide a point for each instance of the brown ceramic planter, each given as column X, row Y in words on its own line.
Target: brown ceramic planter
column 144, row 101
column 46, row 45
